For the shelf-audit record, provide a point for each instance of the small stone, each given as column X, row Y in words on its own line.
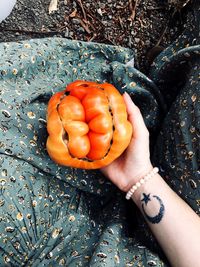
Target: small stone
column 148, row 42
column 81, row 30
column 76, row 21
column 137, row 40
column 99, row 12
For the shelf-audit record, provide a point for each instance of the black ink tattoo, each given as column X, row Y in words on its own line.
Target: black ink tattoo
column 157, row 218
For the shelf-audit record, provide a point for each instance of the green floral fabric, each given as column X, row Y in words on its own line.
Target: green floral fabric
column 52, row 215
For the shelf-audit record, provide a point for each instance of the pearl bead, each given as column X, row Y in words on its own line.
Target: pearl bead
column 138, row 184
column 135, row 187
column 142, row 181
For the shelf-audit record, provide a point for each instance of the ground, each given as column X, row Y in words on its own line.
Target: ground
column 149, row 24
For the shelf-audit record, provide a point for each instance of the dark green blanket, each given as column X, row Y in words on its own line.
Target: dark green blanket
column 56, row 216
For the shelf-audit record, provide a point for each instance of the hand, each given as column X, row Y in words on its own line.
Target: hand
column 135, row 162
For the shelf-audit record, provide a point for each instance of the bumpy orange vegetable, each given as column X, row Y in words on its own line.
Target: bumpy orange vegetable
column 87, row 125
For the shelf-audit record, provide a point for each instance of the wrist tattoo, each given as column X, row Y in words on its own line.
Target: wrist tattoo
column 145, row 202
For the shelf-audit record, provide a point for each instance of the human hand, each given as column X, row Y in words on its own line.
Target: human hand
column 135, row 162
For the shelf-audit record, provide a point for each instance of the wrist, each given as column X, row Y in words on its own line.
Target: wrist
column 151, row 186
column 141, row 182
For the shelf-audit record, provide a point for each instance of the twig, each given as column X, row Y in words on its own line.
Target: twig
column 85, row 26
column 90, row 15
column 157, row 8
column 92, row 38
column 162, row 35
column 124, row 6
column 82, row 8
column 91, row 25
column 121, row 22
column 178, row 4
column 95, row 18
column 165, row 29
column 132, row 7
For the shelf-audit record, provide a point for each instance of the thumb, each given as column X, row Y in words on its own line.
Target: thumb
column 135, row 117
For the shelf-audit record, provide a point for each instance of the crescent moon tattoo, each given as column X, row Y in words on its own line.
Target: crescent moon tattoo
column 157, row 218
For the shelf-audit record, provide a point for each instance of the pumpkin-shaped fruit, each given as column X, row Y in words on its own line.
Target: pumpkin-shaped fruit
column 87, row 125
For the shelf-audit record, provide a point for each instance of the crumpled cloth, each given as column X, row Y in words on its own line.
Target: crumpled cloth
column 57, row 216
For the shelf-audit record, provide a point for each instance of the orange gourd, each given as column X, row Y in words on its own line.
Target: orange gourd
column 87, row 125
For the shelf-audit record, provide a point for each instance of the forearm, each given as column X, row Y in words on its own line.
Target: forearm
column 175, row 225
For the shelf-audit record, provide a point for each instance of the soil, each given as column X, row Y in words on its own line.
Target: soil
column 149, row 24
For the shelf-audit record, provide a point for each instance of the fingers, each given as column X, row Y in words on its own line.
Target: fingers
column 135, row 117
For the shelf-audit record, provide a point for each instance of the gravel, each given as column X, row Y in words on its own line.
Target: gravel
column 106, row 21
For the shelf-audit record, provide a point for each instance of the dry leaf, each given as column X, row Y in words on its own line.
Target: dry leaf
column 73, row 14
column 53, row 6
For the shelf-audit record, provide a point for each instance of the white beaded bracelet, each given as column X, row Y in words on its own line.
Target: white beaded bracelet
column 141, row 182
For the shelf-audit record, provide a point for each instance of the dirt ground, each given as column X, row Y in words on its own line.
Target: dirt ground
column 140, row 25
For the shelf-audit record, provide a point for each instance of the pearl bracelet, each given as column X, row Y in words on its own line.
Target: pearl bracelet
column 141, row 182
